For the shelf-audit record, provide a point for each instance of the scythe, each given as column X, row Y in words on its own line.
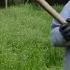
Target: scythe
column 51, row 11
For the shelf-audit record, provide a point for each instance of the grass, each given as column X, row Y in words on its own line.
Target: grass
column 24, row 40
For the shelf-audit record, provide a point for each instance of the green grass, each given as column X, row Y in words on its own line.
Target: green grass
column 24, row 40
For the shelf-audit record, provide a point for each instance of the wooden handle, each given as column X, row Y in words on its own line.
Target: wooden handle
column 52, row 12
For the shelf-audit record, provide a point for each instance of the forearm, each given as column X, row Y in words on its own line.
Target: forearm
column 56, row 38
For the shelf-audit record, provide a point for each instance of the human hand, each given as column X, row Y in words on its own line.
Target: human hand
column 65, row 30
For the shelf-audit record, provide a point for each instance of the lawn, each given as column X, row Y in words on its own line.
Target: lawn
column 24, row 40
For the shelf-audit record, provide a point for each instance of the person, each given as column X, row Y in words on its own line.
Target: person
column 60, row 34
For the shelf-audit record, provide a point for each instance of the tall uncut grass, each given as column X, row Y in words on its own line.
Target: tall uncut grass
column 24, row 40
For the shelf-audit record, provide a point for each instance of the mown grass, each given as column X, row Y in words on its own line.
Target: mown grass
column 24, row 40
